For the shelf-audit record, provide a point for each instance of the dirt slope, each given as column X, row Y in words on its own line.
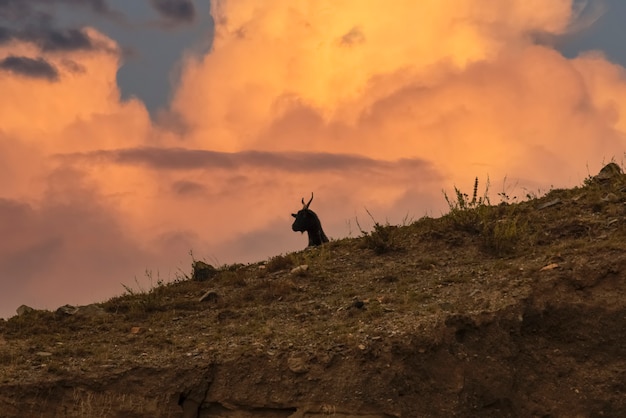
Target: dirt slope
column 511, row 310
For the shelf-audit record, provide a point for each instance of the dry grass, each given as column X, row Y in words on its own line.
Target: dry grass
column 406, row 276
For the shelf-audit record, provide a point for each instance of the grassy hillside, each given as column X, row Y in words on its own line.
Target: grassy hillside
column 492, row 309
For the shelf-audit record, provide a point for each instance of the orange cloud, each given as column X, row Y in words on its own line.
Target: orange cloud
column 342, row 76
column 328, row 55
column 378, row 105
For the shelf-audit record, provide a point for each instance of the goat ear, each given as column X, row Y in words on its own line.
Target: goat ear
column 294, row 215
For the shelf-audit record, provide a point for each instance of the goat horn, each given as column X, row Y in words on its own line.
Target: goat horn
column 305, row 206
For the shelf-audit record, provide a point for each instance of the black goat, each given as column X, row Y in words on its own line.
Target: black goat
column 307, row 220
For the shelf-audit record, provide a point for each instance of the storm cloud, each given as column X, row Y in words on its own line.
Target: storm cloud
column 25, row 8
column 49, row 39
column 176, row 11
column 30, row 67
column 52, row 40
column 34, row 21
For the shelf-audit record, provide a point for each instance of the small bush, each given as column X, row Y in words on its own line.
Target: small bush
column 502, row 236
column 500, row 228
column 203, row 271
column 142, row 299
column 468, row 214
column 382, row 239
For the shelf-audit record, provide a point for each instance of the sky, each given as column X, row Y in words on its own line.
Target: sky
column 137, row 136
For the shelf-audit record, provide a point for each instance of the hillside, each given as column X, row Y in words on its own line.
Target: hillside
column 503, row 310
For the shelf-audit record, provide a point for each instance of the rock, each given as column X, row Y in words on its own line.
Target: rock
column 300, row 270
column 23, row 309
column 67, row 310
column 297, row 364
column 209, row 296
column 608, row 172
column 548, row 204
column 91, row 311
column 87, row 311
column 359, row 304
column 203, row 271
column 43, row 354
column 551, row 266
column 610, row 197
column 137, row 330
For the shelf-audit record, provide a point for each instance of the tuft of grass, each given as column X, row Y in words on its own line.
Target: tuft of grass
column 426, row 263
column 502, row 236
column 505, row 195
column 144, row 299
column 374, row 310
column 231, row 278
column 279, row 262
column 468, row 214
column 382, row 239
column 37, row 322
column 314, row 255
column 268, row 290
column 499, row 227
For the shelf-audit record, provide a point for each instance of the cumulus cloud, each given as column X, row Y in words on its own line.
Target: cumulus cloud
column 415, row 75
column 379, row 107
